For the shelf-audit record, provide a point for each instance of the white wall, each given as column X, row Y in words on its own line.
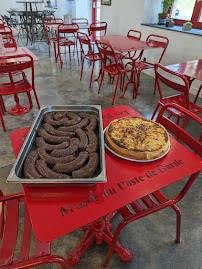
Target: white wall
column 124, row 15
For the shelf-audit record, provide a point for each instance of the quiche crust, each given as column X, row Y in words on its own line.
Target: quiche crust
column 137, row 138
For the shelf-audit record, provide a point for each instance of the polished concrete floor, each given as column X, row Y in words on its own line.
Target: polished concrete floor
column 152, row 239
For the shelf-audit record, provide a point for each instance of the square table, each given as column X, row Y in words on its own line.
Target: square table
column 56, row 211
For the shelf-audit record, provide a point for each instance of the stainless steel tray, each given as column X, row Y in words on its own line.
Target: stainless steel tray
column 16, row 174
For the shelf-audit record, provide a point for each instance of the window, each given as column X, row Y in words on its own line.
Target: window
column 187, row 10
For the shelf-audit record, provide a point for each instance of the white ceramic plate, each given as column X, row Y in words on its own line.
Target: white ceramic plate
column 134, row 160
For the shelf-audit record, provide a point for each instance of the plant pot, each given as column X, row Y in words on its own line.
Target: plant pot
column 187, row 27
column 162, row 18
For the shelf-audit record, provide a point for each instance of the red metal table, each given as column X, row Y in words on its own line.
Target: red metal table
column 191, row 69
column 18, row 109
column 57, row 211
column 125, row 44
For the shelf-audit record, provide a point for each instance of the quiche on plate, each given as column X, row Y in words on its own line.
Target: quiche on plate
column 137, row 138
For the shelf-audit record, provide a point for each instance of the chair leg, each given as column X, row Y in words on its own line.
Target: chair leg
column 138, row 82
column 2, row 106
column 184, row 122
column 36, row 97
column 2, row 121
column 117, row 82
column 155, row 111
column 49, row 49
column 91, row 77
column 102, row 76
column 30, row 99
column 179, row 221
column 155, row 83
column 82, row 64
column 54, row 46
column 69, row 54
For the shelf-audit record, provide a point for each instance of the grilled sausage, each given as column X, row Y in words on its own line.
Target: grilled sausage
column 89, row 169
column 72, row 149
column 40, row 143
column 51, row 130
column 93, row 123
column 59, row 115
column 73, row 119
column 47, row 172
column 49, row 119
column 53, row 160
column 71, row 166
column 92, row 141
column 51, row 138
column 82, row 124
column 83, row 115
column 82, row 137
column 29, row 166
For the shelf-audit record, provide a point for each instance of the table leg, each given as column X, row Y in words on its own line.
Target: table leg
column 98, row 231
column 18, row 109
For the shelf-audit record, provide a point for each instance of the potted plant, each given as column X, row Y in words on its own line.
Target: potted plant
column 187, row 26
column 48, row 2
column 165, row 7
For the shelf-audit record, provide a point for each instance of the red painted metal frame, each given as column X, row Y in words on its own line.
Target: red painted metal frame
column 182, row 92
column 60, row 210
column 87, row 53
column 10, row 206
column 150, row 205
column 18, row 86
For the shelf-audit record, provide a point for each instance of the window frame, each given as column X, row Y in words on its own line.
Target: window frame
column 197, row 10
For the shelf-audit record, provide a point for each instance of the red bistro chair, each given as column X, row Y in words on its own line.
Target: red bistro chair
column 139, row 65
column 100, row 27
column 157, row 201
column 6, row 30
column 51, row 33
column 87, row 53
column 20, row 85
column 163, row 76
column 11, row 207
column 114, row 68
column 64, row 39
column 9, row 42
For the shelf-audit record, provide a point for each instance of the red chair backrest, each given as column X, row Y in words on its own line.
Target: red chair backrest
column 80, row 21
column 98, row 26
column 6, row 30
column 2, row 25
column 68, row 28
column 193, row 142
column 9, row 42
column 106, row 52
column 164, row 75
column 84, row 41
column 17, row 63
column 134, row 34
column 158, row 41
column 52, row 22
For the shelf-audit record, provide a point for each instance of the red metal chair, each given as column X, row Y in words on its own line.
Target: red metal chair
column 168, row 78
column 9, row 42
column 157, row 201
column 51, row 33
column 6, row 30
column 78, row 21
column 114, row 68
column 98, row 27
column 21, row 85
column 66, row 37
column 139, row 64
column 2, row 25
column 11, row 208
column 87, row 53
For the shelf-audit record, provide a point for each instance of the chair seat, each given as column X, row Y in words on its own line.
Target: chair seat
column 149, row 201
column 93, row 57
column 65, row 42
column 17, row 87
column 180, row 100
column 113, row 70
column 141, row 65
